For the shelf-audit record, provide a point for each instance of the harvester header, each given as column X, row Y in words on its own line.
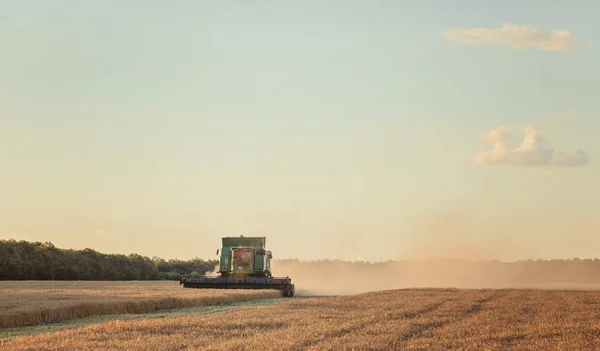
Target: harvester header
column 244, row 263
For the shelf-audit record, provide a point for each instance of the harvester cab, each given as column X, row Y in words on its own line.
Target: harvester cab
column 245, row 263
column 244, row 257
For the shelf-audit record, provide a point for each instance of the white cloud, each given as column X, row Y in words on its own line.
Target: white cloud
column 571, row 113
column 530, row 152
column 515, row 36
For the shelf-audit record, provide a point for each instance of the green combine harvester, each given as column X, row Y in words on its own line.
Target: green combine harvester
column 245, row 263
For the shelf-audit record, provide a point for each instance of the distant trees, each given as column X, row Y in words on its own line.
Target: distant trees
column 24, row 260
column 173, row 268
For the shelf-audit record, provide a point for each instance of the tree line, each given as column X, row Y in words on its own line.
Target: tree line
column 24, row 260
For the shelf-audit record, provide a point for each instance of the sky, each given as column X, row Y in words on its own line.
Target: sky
column 343, row 129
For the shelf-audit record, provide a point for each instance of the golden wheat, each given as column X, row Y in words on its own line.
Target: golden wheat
column 33, row 303
column 387, row 320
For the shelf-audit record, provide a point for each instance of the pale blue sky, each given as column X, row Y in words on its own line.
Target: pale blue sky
column 158, row 127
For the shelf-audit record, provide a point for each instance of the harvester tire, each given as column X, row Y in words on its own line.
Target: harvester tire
column 289, row 291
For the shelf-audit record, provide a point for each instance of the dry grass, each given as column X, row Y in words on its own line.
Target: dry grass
column 387, row 320
column 33, row 303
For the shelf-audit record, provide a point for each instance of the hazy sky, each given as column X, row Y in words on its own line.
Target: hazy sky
column 341, row 129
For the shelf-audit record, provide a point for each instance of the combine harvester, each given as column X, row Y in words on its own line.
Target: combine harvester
column 244, row 264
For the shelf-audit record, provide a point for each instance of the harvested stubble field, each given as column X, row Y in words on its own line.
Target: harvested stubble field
column 420, row 319
column 39, row 302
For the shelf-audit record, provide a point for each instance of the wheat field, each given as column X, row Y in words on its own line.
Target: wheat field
column 423, row 319
column 38, row 302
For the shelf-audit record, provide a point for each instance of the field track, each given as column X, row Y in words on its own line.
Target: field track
column 414, row 319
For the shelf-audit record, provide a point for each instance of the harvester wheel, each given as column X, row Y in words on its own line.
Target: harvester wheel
column 290, row 291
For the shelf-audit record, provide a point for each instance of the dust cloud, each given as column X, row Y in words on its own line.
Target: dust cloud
column 325, row 278
column 451, row 251
column 214, row 272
